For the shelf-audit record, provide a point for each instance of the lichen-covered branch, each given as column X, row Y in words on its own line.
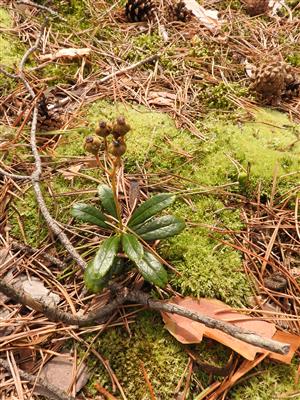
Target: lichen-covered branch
column 41, row 7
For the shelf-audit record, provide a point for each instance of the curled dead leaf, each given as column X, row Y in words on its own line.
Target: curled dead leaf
column 188, row 332
column 71, row 172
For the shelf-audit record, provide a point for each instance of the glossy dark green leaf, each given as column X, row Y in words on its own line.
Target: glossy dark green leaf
column 92, row 282
column 132, row 247
column 107, row 200
column 152, row 270
column 160, row 228
column 151, row 207
column 102, row 263
column 91, row 214
column 117, row 267
column 96, row 284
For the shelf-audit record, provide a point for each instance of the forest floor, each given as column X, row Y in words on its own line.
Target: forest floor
column 199, row 131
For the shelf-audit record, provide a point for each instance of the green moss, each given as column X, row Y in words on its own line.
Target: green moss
column 11, row 52
column 218, row 96
column 272, row 381
column 58, row 205
column 207, row 268
column 10, row 48
column 71, row 143
column 5, row 19
column 60, row 73
column 153, row 142
column 163, row 358
column 269, row 140
column 294, row 59
column 76, row 12
column 143, row 45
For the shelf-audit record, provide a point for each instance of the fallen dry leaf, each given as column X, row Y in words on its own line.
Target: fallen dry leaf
column 209, row 18
column 4, row 252
column 71, row 172
column 59, row 371
column 69, row 53
column 161, row 98
column 187, row 331
column 37, row 290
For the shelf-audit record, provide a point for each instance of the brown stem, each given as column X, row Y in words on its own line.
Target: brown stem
column 116, row 163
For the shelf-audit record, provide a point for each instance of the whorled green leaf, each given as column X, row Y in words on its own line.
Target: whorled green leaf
column 107, row 200
column 91, row 214
column 102, row 263
column 160, row 228
column 117, row 267
column 152, row 270
column 151, row 207
column 92, row 282
column 132, row 247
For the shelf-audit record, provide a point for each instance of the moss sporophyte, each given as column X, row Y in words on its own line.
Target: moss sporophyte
column 130, row 237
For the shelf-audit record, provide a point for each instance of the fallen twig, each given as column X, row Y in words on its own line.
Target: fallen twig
column 143, row 298
column 35, row 176
column 41, row 7
column 234, row 331
column 32, row 250
column 129, row 68
column 54, row 314
column 14, row 176
column 54, row 392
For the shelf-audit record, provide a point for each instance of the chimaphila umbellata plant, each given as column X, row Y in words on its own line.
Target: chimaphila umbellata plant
column 128, row 236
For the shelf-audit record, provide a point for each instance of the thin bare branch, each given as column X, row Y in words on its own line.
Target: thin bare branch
column 53, row 391
column 234, row 331
column 41, row 7
column 54, row 314
column 129, row 68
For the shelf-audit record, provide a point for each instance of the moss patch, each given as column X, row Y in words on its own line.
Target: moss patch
column 207, row 268
column 163, row 358
column 154, row 142
column 11, row 51
column 10, row 48
column 273, row 381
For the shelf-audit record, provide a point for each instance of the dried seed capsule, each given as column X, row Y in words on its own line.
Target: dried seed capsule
column 92, row 144
column 120, row 127
column 104, row 129
column 118, row 147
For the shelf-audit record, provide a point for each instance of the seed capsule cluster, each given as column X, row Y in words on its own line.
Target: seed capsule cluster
column 118, row 129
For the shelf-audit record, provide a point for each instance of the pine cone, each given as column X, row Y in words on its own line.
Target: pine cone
column 275, row 80
column 292, row 83
column 256, row 7
column 140, row 10
column 179, row 12
column 269, row 81
column 48, row 120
